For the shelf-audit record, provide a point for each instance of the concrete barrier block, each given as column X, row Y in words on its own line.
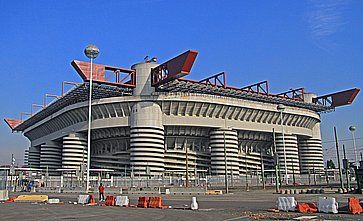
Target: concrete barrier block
column 327, row 205
column 286, row 203
column 122, row 201
column 4, row 195
column 83, row 199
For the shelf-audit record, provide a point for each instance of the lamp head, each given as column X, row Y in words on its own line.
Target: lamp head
column 91, row 51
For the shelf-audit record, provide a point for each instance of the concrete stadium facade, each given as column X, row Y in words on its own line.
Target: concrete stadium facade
column 159, row 132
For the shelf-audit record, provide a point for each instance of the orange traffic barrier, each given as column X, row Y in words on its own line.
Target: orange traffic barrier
column 10, row 200
column 155, row 202
column 306, row 208
column 143, row 201
column 353, row 206
column 110, row 201
column 91, row 201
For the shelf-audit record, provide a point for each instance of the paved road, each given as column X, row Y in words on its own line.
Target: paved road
column 220, row 207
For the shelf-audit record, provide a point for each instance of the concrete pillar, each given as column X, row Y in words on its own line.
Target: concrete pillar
column 291, row 150
column 311, row 152
column 219, row 138
column 146, row 127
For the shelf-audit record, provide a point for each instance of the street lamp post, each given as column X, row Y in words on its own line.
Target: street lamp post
column 225, row 163
column 352, row 130
column 91, row 51
column 281, row 109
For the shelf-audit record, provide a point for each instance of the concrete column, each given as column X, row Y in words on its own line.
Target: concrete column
column 311, row 152
column 291, row 150
column 219, row 138
column 146, row 127
column 50, row 157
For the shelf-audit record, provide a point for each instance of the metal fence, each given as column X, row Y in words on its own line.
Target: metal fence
column 331, row 179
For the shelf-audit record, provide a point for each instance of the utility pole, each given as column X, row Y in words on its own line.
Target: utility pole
column 338, row 157
column 346, row 167
column 186, row 164
column 293, row 172
column 262, row 170
column 247, row 188
column 225, row 163
column 276, row 162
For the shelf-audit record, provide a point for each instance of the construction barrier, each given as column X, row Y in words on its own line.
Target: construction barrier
column 83, row 199
column 327, row 205
column 91, row 201
column 142, row 202
column 155, row 202
column 110, row 201
column 353, row 206
column 10, row 200
column 31, row 198
column 286, row 203
column 194, row 204
column 53, row 201
column 306, row 208
column 122, row 201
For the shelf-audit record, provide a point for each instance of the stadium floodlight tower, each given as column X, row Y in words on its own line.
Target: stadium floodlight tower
column 281, row 109
column 352, row 130
column 91, row 51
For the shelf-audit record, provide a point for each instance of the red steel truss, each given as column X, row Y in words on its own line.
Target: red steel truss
column 337, row 99
column 174, row 68
column 258, row 88
column 216, row 80
column 100, row 71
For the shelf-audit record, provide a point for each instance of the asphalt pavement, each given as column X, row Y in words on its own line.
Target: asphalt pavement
column 235, row 206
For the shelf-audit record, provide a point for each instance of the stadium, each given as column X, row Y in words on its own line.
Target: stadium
column 150, row 120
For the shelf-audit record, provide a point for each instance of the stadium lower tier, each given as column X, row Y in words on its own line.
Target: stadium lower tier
column 155, row 152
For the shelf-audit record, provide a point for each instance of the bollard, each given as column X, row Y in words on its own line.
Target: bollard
column 295, row 191
column 194, row 205
column 301, row 192
column 340, row 190
column 290, row 192
column 286, row 191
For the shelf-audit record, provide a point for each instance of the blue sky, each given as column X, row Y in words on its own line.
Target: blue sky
column 313, row 44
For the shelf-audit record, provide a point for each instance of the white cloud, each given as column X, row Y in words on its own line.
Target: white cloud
column 325, row 18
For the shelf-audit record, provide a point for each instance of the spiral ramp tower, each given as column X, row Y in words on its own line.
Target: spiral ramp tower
column 34, row 157
column 290, row 150
column 74, row 151
column 311, row 153
column 146, row 128
column 50, row 157
column 221, row 141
